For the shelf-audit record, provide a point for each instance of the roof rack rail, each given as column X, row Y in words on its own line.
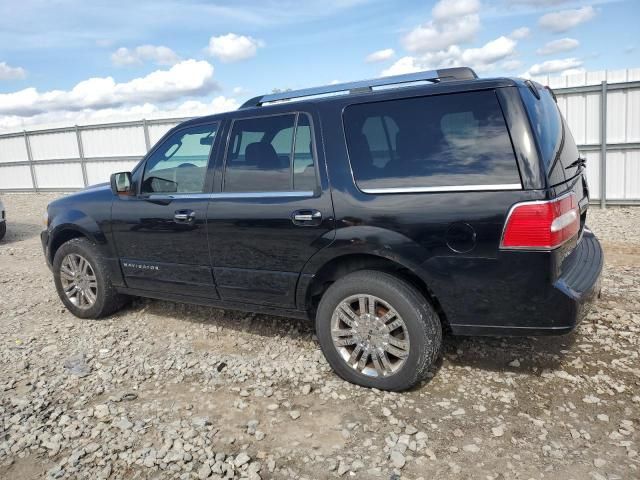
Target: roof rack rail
column 435, row 76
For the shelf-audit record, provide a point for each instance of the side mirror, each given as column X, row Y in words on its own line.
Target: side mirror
column 121, row 183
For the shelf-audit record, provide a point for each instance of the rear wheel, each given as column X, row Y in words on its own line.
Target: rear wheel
column 377, row 330
column 83, row 280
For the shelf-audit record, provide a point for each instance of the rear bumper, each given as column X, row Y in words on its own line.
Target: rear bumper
column 555, row 310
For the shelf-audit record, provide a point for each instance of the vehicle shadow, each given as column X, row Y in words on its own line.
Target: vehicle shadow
column 17, row 232
column 524, row 355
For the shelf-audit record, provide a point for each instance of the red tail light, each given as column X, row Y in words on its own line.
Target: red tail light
column 542, row 225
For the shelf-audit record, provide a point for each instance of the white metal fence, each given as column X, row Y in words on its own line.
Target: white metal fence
column 603, row 113
column 61, row 159
column 602, row 109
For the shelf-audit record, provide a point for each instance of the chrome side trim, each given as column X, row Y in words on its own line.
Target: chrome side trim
column 446, row 188
column 300, row 194
column 223, row 195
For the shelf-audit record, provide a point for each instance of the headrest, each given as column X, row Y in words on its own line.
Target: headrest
column 263, row 155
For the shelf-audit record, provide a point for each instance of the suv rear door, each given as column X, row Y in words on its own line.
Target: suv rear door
column 272, row 209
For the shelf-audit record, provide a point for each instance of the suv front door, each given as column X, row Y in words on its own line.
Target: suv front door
column 160, row 233
column 272, row 209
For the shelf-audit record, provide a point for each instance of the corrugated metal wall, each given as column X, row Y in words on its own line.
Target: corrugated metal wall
column 75, row 157
column 580, row 98
column 70, row 158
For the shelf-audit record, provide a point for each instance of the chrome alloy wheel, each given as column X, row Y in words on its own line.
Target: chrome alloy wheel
column 370, row 335
column 79, row 281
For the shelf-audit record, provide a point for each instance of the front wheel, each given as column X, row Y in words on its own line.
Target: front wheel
column 378, row 331
column 83, row 280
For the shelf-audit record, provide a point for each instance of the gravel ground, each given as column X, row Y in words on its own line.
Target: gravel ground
column 164, row 390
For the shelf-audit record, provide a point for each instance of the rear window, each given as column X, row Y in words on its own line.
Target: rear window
column 557, row 147
column 457, row 140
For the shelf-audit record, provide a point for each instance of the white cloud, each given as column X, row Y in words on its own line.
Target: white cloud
column 489, row 53
column 511, row 65
column 232, row 47
column 187, row 78
column 190, row 108
column 158, row 54
column 481, row 59
column 564, row 20
column 561, row 45
column 520, row 33
column 403, row 65
column 454, row 21
column 539, row 3
column 7, row 72
column 380, row 55
column 553, row 66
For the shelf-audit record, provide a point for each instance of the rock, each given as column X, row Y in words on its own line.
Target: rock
column 200, row 421
column 599, row 462
column 204, row 472
column 397, row 459
column 123, row 424
column 101, row 411
column 472, row 448
column 515, row 363
column 241, row 459
column 76, row 365
column 294, row 414
column 591, row 399
column 497, row 431
column 306, row 389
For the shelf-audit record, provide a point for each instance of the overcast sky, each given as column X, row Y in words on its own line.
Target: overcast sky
column 83, row 61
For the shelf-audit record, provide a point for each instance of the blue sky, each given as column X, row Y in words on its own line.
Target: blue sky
column 72, row 61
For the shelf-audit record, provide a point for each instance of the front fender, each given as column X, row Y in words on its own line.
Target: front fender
column 78, row 221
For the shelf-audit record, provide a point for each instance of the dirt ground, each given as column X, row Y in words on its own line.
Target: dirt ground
column 165, row 390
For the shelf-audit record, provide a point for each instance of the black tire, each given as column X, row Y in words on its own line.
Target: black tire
column 108, row 300
column 3, row 229
column 422, row 324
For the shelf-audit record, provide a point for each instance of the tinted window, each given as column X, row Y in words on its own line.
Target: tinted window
column 447, row 140
column 179, row 164
column 557, row 147
column 304, row 170
column 262, row 155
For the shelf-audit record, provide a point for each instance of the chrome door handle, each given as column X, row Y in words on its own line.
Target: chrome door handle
column 184, row 216
column 307, row 217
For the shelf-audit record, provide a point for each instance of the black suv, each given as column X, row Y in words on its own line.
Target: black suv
column 388, row 211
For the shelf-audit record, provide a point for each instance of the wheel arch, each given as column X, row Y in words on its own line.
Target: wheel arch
column 341, row 265
column 62, row 236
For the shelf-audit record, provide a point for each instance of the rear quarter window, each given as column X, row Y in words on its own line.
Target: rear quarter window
column 455, row 140
column 557, row 146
